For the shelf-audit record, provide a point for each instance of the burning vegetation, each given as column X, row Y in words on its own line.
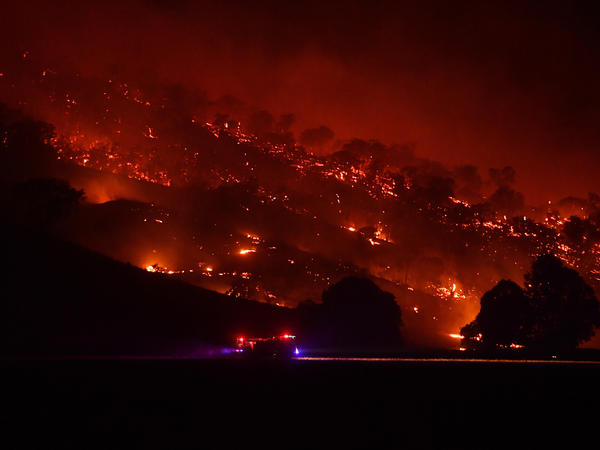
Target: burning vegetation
column 224, row 197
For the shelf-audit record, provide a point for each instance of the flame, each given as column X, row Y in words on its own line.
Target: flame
column 105, row 147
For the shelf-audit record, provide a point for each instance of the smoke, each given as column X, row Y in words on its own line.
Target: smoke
column 131, row 86
column 470, row 83
column 316, row 137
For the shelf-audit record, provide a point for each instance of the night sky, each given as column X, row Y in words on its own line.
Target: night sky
column 487, row 83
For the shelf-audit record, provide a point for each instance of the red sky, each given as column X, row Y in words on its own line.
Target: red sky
column 488, row 83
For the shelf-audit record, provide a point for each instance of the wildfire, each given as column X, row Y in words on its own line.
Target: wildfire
column 155, row 268
column 125, row 141
column 452, row 292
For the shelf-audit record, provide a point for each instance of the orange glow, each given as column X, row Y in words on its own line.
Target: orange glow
column 105, row 148
column 150, row 134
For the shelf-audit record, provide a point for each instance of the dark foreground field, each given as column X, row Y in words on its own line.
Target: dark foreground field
column 174, row 404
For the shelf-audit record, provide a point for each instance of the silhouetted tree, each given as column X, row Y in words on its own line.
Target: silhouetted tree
column 431, row 185
column 357, row 313
column 316, row 137
column 285, row 122
column 25, row 149
column 565, row 308
column 506, row 200
column 555, row 312
column 503, row 318
column 261, row 123
column 581, row 233
column 437, row 190
column 40, row 203
column 468, row 182
column 593, row 209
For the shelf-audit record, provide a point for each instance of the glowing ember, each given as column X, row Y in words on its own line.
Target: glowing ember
column 253, row 237
column 328, row 196
column 150, row 134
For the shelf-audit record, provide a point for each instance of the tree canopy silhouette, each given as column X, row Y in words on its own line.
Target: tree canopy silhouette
column 555, row 312
column 40, row 203
column 25, row 149
column 565, row 308
column 503, row 318
column 355, row 313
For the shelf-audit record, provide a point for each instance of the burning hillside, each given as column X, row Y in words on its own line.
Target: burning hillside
column 225, row 197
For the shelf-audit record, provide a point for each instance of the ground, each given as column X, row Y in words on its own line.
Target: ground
column 296, row 404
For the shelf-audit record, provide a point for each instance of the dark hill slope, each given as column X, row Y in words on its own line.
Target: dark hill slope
column 60, row 299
